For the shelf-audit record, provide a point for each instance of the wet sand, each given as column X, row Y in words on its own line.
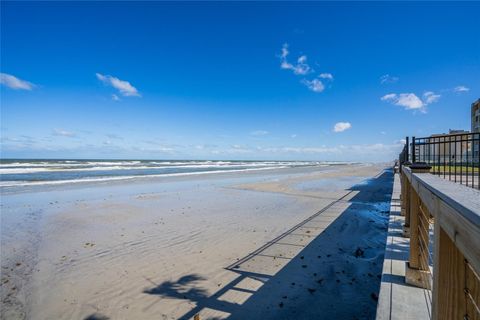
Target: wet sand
column 280, row 244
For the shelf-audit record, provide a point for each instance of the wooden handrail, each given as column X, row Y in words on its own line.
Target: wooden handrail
column 455, row 207
column 456, row 260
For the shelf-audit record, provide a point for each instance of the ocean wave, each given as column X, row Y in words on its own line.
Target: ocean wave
column 16, row 168
column 4, row 184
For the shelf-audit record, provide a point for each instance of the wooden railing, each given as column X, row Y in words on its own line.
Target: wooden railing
column 442, row 220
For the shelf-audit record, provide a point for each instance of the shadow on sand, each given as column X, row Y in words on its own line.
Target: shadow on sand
column 97, row 316
column 326, row 267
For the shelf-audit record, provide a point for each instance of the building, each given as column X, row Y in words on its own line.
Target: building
column 476, row 129
column 456, row 146
column 476, row 116
column 450, row 147
column 444, row 148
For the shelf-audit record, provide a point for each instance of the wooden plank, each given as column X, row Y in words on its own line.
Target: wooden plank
column 472, row 281
column 465, row 200
column 407, row 203
column 414, row 236
column 465, row 235
column 449, row 280
column 472, row 312
column 423, row 237
column 436, row 261
column 403, row 202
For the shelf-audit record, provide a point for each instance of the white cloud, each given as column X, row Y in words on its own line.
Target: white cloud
column 389, row 96
column 411, row 101
column 15, row 83
column 301, row 68
column 115, row 97
column 339, row 152
column 235, row 149
column 63, row 133
column 22, row 141
column 328, row 76
column 341, row 126
column 114, row 136
column 258, row 133
column 343, row 151
column 304, row 150
column 124, row 87
column 430, row 97
column 461, row 89
column 154, row 148
column 407, row 100
column 386, row 78
column 315, row 85
column 204, row 146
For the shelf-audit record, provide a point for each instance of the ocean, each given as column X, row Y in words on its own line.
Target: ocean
column 16, row 173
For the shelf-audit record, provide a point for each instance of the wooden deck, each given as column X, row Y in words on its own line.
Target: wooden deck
column 398, row 300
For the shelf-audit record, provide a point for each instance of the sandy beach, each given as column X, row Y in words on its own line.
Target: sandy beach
column 293, row 243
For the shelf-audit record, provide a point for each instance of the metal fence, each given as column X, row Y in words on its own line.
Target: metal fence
column 455, row 157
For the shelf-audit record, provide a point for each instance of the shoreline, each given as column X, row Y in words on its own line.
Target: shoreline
column 15, row 188
column 27, row 186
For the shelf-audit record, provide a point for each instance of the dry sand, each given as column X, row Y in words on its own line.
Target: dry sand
column 286, row 244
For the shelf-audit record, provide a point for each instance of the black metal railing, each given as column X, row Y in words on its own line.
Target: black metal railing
column 453, row 156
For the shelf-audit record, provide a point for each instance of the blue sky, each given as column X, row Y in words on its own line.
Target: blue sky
column 154, row 80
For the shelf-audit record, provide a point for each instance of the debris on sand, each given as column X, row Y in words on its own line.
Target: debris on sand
column 359, row 253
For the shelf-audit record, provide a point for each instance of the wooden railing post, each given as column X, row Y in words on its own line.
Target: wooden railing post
column 448, row 300
column 414, row 243
column 405, row 204
column 416, row 274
